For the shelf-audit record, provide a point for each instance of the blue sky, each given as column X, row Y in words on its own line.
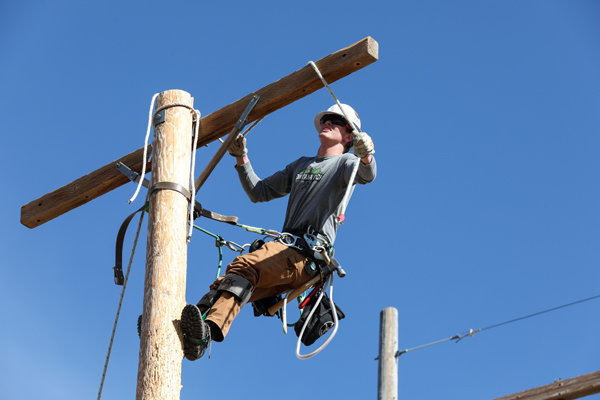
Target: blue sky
column 486, row 125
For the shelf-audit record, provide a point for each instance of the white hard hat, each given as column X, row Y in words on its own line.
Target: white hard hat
column 335, row 109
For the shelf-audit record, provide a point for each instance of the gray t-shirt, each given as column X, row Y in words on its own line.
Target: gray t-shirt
column 316, row 186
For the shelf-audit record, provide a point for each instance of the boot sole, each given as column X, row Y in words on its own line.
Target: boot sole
column 196, row 335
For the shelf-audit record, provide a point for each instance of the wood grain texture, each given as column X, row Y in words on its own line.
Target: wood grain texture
column 569, row 389
column 213, row 126
column 159, row 368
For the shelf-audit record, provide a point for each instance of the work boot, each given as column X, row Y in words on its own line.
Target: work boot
column 196, row 332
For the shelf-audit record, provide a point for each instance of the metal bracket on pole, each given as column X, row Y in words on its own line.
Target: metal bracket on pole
column 135, row 177
column 160, row 117
column 132, row 175
column 225, row 145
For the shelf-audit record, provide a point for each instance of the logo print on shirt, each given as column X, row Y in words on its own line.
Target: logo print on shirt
column 309, row 174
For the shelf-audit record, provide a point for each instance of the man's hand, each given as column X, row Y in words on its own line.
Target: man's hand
column 237, row 148
column 363, row 145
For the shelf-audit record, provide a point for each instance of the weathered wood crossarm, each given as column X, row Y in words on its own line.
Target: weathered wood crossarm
column 569, row 389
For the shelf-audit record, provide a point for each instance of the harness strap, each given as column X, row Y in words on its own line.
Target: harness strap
column 314, row 246
column 199, row 211
column 118, row 268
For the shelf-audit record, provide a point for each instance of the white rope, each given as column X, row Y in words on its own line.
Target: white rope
column 335, row 323
column 145, row 150
column 192, row 183
column 284, row 311
column 354, row 127
column 197, row 116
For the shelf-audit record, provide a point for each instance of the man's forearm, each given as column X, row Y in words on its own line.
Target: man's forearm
column 242, row 160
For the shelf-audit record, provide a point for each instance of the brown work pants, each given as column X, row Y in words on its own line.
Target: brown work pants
column 271, row 270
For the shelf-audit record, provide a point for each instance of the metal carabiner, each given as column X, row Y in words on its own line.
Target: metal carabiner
column 234, row 247
column 272, row 234
column 287, row 238
column 323, row 251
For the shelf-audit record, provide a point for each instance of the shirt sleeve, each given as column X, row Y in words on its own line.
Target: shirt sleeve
column 366, row 172
column 260, row 190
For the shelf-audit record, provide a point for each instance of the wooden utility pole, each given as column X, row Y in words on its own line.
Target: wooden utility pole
column 387, row 388
column 159, row 368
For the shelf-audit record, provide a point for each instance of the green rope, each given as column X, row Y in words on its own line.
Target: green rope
column 219, row 244
column 220, row 241
column 261, row 231
column 253, row 229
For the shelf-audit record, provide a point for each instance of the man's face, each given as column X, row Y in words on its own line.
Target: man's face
column 333, row 128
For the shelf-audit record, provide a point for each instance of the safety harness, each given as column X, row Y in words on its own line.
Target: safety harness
column 317, row 316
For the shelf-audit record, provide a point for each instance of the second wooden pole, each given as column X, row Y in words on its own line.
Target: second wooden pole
column 388, row 362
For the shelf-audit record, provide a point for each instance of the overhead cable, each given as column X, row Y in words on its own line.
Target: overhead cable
column 471, row 332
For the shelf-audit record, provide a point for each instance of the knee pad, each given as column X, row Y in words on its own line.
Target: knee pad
column 208, row 300
column 238, row 286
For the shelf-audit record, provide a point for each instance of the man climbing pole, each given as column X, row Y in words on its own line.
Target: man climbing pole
column 316, row 186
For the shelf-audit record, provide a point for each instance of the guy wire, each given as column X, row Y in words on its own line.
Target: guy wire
column 471, row 332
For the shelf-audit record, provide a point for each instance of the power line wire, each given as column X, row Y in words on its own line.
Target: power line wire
column 471, row 332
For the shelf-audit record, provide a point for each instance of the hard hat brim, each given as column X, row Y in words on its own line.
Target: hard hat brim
column 335, row 109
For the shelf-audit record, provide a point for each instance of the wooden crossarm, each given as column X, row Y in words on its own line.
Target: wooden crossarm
column 213, row 126
column 573, row 388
